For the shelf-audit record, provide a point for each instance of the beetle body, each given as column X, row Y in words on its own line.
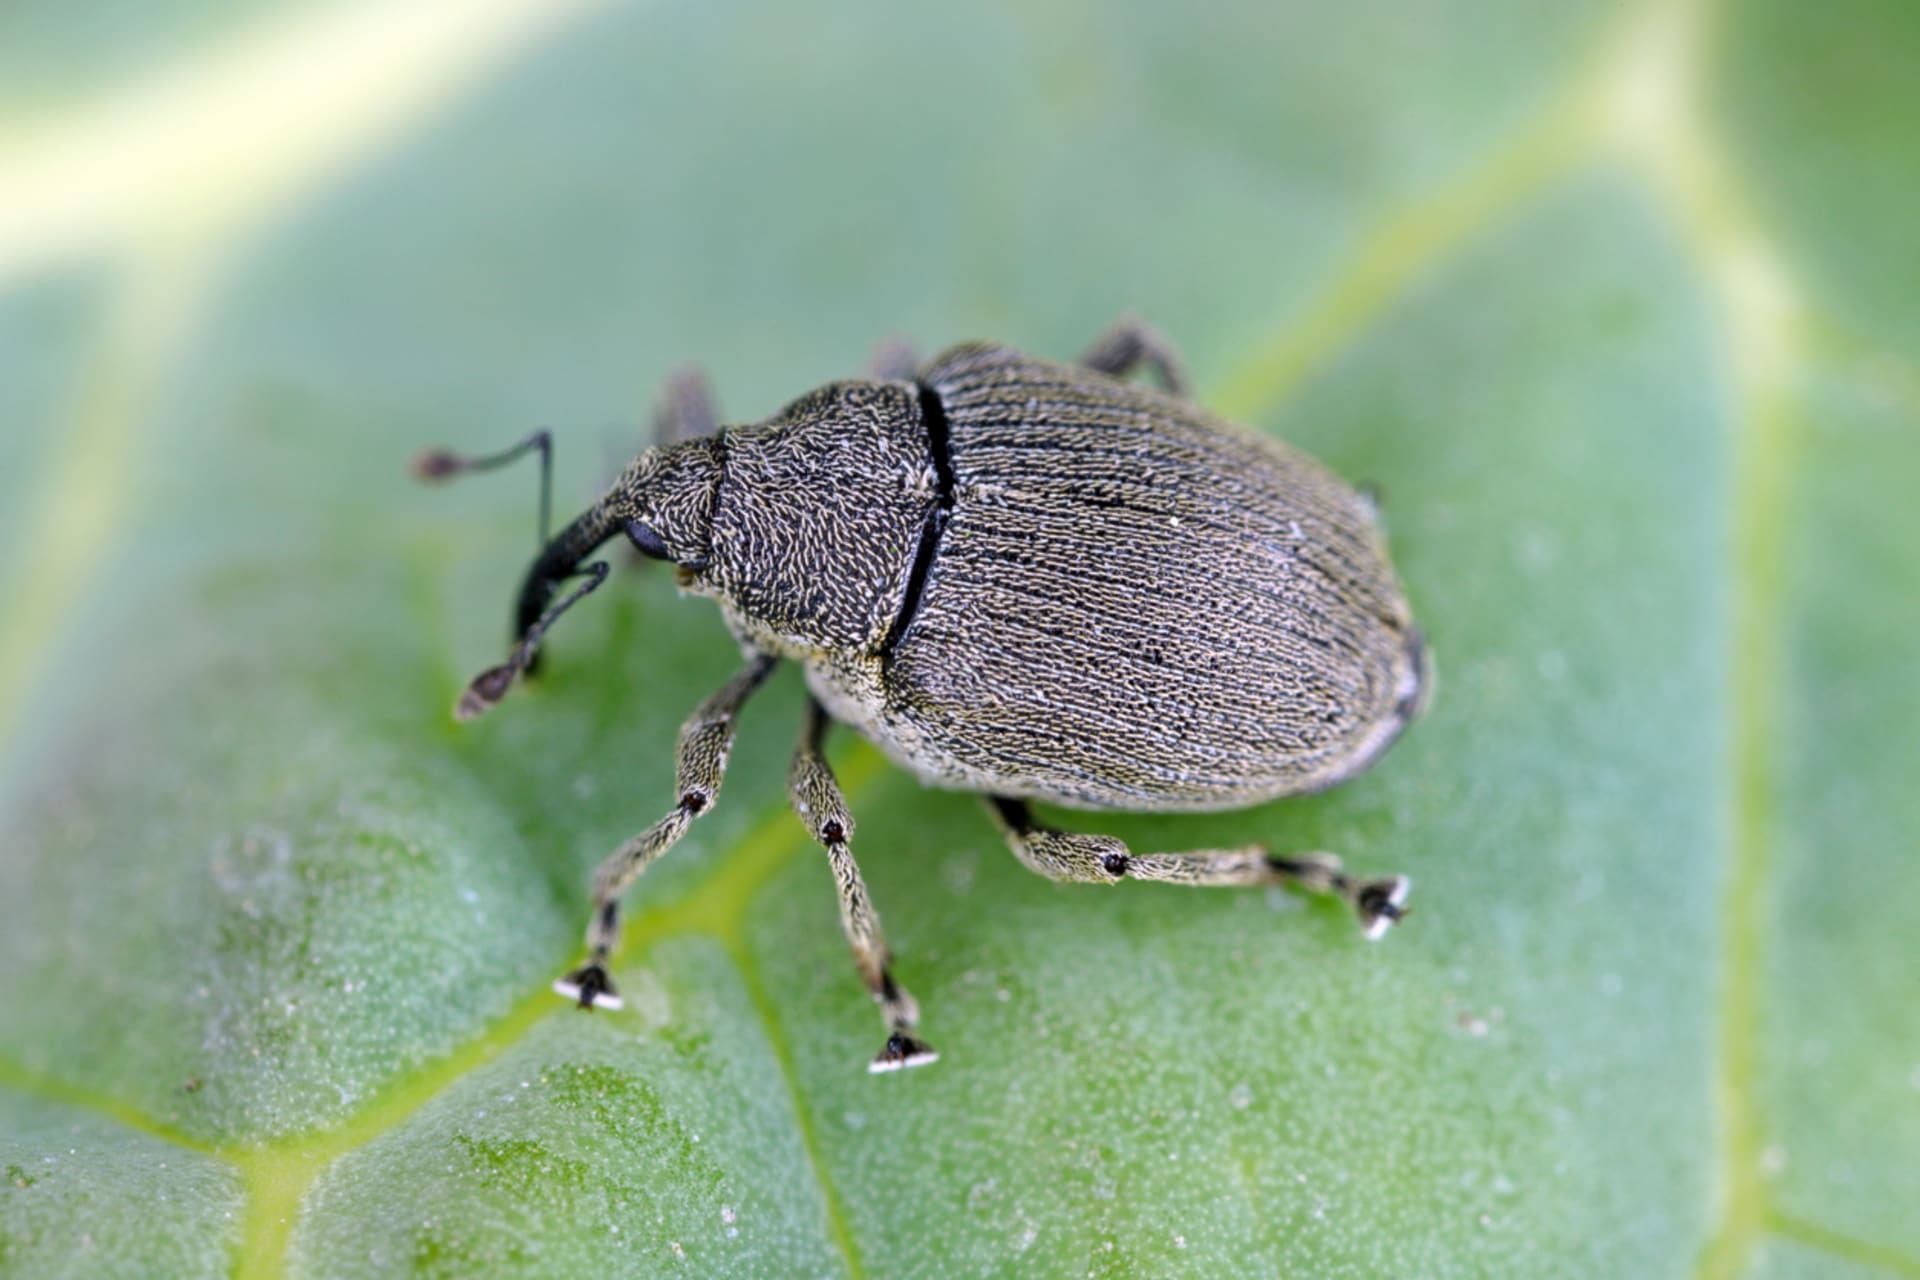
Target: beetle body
column 1131, row 605
column 1034, row 580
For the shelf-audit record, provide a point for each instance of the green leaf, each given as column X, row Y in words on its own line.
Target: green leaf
column 1837, row 1107
column 83, row 1194
column 1594, row 296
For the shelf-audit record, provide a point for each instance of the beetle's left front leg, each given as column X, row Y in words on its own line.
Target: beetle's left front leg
column 1093, row 859
column 816, row 798
column 700, row 764
column 685, row 410
column 894, row 360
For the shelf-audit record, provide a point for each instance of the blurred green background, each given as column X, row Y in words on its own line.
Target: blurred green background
column 1620, row 305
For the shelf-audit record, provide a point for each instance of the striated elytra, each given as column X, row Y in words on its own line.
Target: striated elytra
column 1032, row 580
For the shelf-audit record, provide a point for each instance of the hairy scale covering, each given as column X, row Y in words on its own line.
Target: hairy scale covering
column 1134, row 605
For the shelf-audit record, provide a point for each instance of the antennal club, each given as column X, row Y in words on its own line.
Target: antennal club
column 492, row 684
column 439, row 465
column 559, row 560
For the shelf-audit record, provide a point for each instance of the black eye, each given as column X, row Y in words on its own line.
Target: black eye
column 649, row 542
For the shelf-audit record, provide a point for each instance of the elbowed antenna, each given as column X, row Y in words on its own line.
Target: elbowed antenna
column 436, row 465
column 492, row 684
column 559, row 559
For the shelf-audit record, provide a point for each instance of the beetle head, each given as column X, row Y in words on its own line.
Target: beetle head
column 664, row 501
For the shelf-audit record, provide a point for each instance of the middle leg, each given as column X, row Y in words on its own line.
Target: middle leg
column 1093, row 859
column 817, row 799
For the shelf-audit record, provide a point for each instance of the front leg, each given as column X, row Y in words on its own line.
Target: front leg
column 1065, row 855
column 894, row 360
column 685, row 410
column 817, row 799
column 701, row 763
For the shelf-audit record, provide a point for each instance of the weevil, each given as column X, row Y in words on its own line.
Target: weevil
column 1032, row 580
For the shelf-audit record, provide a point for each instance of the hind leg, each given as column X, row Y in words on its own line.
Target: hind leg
column 1131, row 342
column 1092, row 859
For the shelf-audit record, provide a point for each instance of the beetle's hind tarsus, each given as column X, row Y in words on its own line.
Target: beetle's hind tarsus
column 1379, row 902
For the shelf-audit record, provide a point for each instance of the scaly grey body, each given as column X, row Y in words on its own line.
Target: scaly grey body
column 1029, row 579
column 1132, row 605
